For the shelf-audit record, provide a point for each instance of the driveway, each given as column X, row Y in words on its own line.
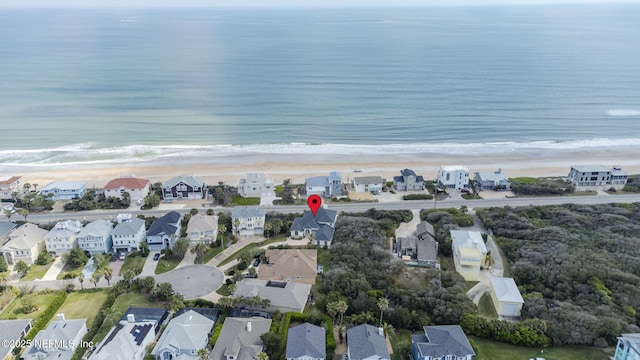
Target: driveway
column 476, row 292
column 242, row 242
column 54, row 270
column 409, row 229
column 149, row 268
column 193, row 281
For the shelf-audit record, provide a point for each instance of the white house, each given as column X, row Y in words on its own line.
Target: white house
column 95, row 237
column 505, row 295
column 137, row 188
column 456, row 176
column 202, row 228
column 255, row 185
column 65, row 190
column 591, row 176
column 58, row 341
column 372, row 184
column 326, row 186
column 63, row 237
column 469, row 253
column 128, row 233
column 247, row 220
column 25, row 243
column 9, row 186
column 164, row 231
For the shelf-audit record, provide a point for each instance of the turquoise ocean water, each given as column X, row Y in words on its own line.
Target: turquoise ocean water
column 98, row 85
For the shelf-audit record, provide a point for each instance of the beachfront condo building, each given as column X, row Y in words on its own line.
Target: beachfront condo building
column 594, row 176
column 456, row 177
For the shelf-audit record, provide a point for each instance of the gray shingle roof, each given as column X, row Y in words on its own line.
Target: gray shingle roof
column 236, row 340
column 443, row 340
column 58, row 332
column 97, row 228
column 189, row 331
column 11, row 330
column 367, row 180
column 185, row 179
column 292, row 296
column 317, row 181
column 427, row 250
column 25, row 237
column 425, row 229
column 495, row 176
column 246, row 212
column 165, row 224
column 64, row 229
column 6, row 227
column 365, row 341
column 306, row 340
column 128, row 227
column 408, row 172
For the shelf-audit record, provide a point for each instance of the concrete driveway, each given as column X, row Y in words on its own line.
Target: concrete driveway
column 149, row 268
column 54, row 270
column 193, row 281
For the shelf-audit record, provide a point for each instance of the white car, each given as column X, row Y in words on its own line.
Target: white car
column 9, row 208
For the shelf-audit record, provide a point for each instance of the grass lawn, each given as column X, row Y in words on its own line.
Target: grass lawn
column 14, row 310
column 252, row 246
column 492, row 350
column 324, row 257
column 486, row 308
column 224, row 290
column 36, row 272
column 133, row 262
column 68, row 269
column 165, row 264
column 470, row 284
column 84, row 304
column 212, row 252
column 123, row 302
column 241, row 201
column 279, row 189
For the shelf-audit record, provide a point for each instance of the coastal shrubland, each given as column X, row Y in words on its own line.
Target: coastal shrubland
column 91, row 201
column 576, row 265
column 529, row 186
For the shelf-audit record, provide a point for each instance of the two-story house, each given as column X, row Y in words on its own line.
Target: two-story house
column 408, row 181
column 25, row 244
column 63, row 237
column 492, row 180
column 370, row 184
column 137, row 188
column 64, row 190
column 54, row 342
column 326, row 186
column 318, row 228
column 593, row 176
column 256, row 185
column 164, row 231
column 128, row 339
column 10, row 186
column 202, row 228
column 469, row 253
column 128, row 233
column 248, row 220
column 367, row 342
column 628, row 347
column 183, row 337
column 441, row 342
column 95, row 237
column 184, row 187
column 456, row 177
column 306, row 342
column 239, row 338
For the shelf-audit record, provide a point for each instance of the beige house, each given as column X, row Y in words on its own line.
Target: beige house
column 137, row 188
column 290, row 265
column 9, row 186
column 505, row 295
column 25, row 243
column 469, row 253
column 202, row 228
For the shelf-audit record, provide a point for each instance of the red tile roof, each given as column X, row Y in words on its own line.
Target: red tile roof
column 10, row 181
column 129, row 183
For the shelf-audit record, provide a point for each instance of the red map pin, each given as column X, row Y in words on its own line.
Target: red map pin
column 314, row 202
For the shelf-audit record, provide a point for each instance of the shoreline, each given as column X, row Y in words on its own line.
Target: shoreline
column 278, row 167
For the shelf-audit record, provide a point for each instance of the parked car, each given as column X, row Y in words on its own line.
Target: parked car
column 156, row 257
column 256, row 263
column 123, row 256
column 465, row 191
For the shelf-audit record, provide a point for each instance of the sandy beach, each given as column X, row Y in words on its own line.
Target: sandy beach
column 230, row 169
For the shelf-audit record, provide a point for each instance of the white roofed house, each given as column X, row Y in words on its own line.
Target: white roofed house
column 128, row 233
column 96, row 238
column 248, row 220
column 325, row 186
column 255, row 185
column 25, row 243
column 65, row 190
column 202, row 228
column 455, row 176
column 184, row 187
column 506, row 297
column 183, row 337
column 372, row 184
column 469, row 253
column 58, row 341
column 63, row 237
column 492, row 180
column 164, row 231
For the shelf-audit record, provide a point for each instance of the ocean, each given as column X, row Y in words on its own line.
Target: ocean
column 93, row 86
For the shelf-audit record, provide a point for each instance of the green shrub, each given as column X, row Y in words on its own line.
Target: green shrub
column 418, row 197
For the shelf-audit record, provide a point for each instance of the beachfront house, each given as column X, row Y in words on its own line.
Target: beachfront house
column 65, row 190
column 628, row 347
column 202, row 228
column 256, row 185
column 12, row 331
column 63, row 237
column 183, row 337
column 456, row 177
column 54, row 342
column 306, row 342
column 239, row 339
column 137, row 188
column 296, row 265
column 371, row 184
column 128, row 233
column 25, row 244
column 164, row 231
column 95, row 237
column 492, row 180
column 128, row 339
column 283, row 296
column 408, row 181
column 505, row 295
column 247, row 220
column 10, row 186
column 441, row 342
column 183, row 187
column 469, row 253
column 318, row 228
column 588, row 177
column 367, row 342
column 325, row 186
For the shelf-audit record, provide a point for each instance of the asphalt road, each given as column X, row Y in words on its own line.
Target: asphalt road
column 358, row 207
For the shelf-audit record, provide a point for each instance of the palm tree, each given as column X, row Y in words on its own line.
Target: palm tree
column 236, row 225
column 261, row 356
column 222, row 228
column 25, row 213
column 110, row 314
column 35, row 187
column 267, row 228
column 342, row 331
column 107, row 271
column 383, row 304
column 388, row 329
column 226, row 302
column 4, row 278
column 199, row 249
column 202, row 354
column 95, row 278
column 489, row 260
column 26, row 187
column 332, row 309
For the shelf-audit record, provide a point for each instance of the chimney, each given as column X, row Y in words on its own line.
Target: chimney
column 381, row 331
column 60, row 317
column 131, row 318
column 249, row 326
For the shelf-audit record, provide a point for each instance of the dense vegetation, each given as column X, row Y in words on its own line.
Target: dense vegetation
column 633, row 184
column 91, row 201
column 539, row 186
column 576, row 265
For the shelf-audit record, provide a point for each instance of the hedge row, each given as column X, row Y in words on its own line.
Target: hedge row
column 331, row 341
column 418, row 197
column 530, row 332
column 51, row 310
column 97, row 323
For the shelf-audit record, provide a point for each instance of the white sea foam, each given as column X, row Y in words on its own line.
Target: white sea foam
column 623, row 112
